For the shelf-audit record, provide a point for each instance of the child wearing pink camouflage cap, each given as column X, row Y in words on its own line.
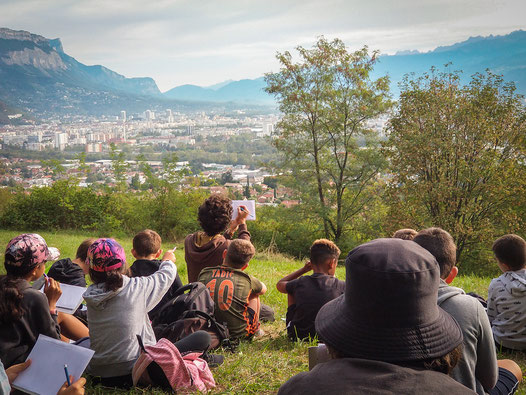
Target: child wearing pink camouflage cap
column 118, row 310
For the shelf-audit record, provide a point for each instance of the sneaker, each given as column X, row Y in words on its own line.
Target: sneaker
column 213, row 360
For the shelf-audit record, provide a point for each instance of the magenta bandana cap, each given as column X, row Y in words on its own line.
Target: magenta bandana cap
column 105, row 255
column 29, row 250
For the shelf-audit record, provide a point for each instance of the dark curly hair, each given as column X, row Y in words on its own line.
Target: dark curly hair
column 215, row 214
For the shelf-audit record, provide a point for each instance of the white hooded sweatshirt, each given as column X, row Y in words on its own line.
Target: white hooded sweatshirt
column 507, row 309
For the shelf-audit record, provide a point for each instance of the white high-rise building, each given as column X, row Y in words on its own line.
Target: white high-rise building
column 61, row 140
column 268, row 128
column 150, row 115
column 170, row 116
column 123, row 116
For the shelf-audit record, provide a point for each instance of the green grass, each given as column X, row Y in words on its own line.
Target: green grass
column 261, row 366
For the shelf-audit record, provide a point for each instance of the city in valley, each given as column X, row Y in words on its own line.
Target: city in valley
column 35, row 155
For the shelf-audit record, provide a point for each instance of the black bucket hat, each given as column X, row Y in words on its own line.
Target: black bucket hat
column 389, row 311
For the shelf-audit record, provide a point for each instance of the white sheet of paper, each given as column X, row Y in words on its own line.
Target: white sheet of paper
column 70, row 299
column 46, row 373
column 249, row 204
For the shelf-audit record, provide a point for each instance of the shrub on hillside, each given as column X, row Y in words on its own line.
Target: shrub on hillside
column 63, row 205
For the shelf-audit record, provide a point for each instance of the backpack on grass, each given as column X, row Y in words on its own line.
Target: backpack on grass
column 192, row 321
column 193, row 296
column 190, row 310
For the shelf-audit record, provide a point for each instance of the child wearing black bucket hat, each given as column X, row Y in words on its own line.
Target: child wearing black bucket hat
column 386, row 333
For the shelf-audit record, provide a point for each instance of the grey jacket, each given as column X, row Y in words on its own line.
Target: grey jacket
column 477, row 368
column 507, row 309
column 116, row 317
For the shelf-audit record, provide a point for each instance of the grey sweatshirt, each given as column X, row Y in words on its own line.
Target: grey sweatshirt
column 507, row 309
column 116, row 317
column 477, row 368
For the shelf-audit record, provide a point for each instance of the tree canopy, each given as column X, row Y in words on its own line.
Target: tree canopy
column 327, row 99
column 457, row 156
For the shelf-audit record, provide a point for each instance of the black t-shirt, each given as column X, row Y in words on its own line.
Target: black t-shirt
column 310, row 294
column 146, row 267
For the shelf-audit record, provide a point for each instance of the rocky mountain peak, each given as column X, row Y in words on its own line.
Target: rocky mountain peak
column 21, row 35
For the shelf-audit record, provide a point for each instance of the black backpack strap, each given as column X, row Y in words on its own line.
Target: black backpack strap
column 183, row 289
column 141, row 344
column 198, row 292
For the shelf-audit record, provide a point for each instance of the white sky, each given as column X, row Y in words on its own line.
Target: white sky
column 204, row 42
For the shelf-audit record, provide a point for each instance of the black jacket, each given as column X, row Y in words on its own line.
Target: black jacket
column 18, row 338
column 67, row 272
column 145, row 267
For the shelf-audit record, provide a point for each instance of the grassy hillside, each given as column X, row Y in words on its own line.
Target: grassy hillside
column 262, row 366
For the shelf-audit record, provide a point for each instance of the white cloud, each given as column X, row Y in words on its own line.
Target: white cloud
column 204, row 42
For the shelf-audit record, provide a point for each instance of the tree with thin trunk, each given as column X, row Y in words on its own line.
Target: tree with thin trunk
column 330, row 150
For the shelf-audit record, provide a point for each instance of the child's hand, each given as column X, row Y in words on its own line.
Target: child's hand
column 307, row 267
column 76, row 388
column 242, row 214
column 13, row 371
column 169, row 256
column 52, row 291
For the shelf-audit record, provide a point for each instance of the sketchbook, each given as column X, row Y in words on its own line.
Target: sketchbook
column 249, row 204
column 70, row 299
column 46, row 373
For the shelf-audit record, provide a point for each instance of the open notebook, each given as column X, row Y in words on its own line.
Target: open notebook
column 70, row 299
column 46, row 373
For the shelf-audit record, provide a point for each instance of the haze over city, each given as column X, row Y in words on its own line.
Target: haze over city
column 185, row 42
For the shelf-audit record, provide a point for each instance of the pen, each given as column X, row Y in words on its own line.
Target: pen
column 46, row 277
column 67, row 374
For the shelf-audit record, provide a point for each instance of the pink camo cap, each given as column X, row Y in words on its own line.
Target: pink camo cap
column 29, row 249
column 105, row 255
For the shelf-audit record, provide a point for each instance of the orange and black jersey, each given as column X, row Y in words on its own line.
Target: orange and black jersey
column 230, row 289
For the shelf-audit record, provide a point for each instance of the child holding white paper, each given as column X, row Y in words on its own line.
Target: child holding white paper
column 205, row 248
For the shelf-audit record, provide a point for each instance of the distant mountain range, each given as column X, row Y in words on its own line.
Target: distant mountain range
column 504, row 55
column 243, row 91
column 38, row 79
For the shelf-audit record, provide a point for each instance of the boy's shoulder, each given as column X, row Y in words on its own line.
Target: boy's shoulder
column 144, row 267
column 511, row 282
column 319, row 281
column 457, row 303
column 224, row 271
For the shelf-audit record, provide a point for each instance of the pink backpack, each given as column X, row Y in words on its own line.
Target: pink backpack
column 162, row 365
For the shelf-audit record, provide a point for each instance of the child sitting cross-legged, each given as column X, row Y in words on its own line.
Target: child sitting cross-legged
column 307, row 294
column 507, row 294
column 147, row 250
column 235, row 293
